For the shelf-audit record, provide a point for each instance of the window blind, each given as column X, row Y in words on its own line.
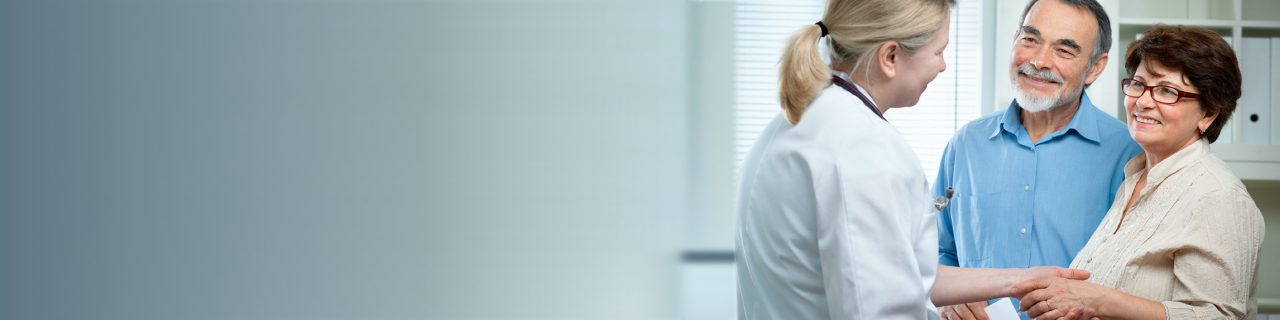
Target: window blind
column 951, row 100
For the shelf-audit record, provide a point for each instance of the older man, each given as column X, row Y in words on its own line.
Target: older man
column 1030, row 184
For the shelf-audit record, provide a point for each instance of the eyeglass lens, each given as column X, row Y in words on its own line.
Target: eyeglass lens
column 1162, row 94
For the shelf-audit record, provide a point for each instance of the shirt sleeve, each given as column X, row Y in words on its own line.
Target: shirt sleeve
column 946, row 238
column 1215, row 270
column 866, row 225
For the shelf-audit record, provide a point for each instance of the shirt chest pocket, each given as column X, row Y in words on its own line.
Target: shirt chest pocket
column 993, row 224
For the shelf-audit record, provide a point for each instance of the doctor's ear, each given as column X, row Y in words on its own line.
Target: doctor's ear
column 887, row 58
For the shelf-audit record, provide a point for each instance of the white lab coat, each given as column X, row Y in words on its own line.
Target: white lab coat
column 835, row 220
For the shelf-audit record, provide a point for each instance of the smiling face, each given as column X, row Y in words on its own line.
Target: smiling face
column 1160, row 128
column 1050, row 64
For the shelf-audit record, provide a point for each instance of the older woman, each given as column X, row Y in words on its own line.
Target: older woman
column 1182, row 239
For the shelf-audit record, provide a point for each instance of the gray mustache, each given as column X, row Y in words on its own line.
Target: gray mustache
column 1030, row 71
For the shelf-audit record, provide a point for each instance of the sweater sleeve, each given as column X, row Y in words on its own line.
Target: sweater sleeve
column 1216, row 270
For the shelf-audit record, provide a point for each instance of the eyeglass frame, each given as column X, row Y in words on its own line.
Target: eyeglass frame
column 1146, row 88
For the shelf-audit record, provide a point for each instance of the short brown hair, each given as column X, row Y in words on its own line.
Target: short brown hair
column 1205, row 60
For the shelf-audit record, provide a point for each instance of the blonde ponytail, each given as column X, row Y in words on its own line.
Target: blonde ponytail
column 802, row 75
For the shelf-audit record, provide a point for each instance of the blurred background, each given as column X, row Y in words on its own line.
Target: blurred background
column 413, row 159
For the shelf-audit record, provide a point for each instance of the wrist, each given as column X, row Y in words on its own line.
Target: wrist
column 1104, row 303
column 1010, row 279
column 1114, row 304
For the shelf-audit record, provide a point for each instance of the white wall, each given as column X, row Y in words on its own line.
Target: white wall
column 343, row 160
column 712, row 217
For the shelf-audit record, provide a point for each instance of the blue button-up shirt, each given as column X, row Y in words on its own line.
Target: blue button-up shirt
column 1018, row 203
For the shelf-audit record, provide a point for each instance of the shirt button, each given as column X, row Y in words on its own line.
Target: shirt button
column 1026, row 188
column 1023, row 231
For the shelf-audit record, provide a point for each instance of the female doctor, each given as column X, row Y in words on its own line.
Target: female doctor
column 834, row 215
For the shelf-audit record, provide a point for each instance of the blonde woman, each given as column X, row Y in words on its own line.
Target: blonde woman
column 835, row 218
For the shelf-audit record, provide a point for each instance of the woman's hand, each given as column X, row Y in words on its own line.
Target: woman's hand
column 1041, row 278
column 1055, row 298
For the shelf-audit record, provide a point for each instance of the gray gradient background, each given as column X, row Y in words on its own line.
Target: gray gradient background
column 343, row 159
column 381, row 159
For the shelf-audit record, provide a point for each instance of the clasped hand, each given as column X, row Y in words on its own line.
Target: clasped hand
column 1062, row 296
column 1035, row 285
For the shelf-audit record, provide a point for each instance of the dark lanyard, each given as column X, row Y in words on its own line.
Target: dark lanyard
column 849, row 87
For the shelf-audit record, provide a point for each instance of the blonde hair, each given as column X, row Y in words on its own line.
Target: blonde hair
column 856, row 28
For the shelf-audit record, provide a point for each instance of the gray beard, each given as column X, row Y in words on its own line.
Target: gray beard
column 1033, row 103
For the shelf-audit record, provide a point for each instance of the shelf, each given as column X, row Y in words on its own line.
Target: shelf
column 1251, row 161
column 1268, row 305
column 1211, row 23
column 1260, row 24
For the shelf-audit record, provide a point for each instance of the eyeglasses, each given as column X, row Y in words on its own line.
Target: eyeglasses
column 1161, row 94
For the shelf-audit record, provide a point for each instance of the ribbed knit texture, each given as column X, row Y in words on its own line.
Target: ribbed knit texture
column 1191, row 239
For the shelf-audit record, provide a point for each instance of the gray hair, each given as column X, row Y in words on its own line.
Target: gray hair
column 1103, row 43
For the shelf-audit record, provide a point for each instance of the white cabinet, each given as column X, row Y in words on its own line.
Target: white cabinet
column 1250, row 143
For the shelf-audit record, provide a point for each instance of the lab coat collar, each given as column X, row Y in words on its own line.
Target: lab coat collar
column 847, row 78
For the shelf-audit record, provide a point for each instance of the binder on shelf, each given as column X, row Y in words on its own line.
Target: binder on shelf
column 1275, row 90
column 1253, row 113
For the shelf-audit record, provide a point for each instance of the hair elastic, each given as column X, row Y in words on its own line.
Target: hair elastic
column 823, row 27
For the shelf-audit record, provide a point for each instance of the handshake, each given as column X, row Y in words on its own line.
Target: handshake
column 1045, row 293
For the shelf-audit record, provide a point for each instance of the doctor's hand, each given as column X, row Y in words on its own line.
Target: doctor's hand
column 1031, row 279
column 1058, row 298
column 968, row 311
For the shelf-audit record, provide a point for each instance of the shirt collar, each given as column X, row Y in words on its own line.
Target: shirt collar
column 1181, row 159
column 1083, row 123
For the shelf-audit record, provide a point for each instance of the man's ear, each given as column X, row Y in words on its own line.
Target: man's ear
column 887, row 58
column 1096, row 69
